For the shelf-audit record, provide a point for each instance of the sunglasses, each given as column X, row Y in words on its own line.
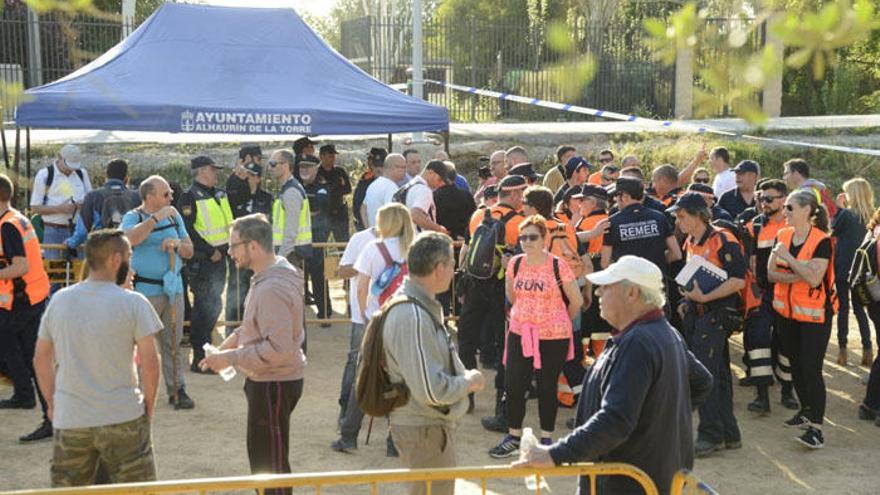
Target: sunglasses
column 768, row 199
column 529, row 237
column 701, row 181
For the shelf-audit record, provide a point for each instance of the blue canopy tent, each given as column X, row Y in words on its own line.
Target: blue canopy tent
column 208, row 69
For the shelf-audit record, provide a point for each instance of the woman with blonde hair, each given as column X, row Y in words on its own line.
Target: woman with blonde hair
column 855, row 208
column 396, row 233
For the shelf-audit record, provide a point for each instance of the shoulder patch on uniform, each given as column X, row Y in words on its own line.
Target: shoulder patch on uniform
column 186, row 210
column 727, row 257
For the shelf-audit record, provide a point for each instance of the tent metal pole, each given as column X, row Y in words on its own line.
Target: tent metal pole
column 390, row 142
column 27, row 161
column 446, row 141
column 5, row 146
column 15, row 159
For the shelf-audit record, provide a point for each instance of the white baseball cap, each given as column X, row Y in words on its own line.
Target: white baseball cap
column 72, row 156
column 633, row 269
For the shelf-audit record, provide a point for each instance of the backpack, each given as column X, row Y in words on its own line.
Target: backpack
column 750, row 295
column 863, row 281
column 391, row 277
column 558, row 245
column 400, row 195
column 375, row 393
column 518, row 262
column 115, row 204
column 823, row 196
column 50, row 178
column 484, row 251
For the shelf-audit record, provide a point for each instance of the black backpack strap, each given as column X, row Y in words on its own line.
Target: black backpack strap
column 559, row 281
column 516, row 266
column 50, row 178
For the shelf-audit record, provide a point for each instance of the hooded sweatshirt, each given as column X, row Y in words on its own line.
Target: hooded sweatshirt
column 272, row 332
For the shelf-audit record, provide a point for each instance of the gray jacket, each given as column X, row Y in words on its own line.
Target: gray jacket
column 423, row 356
column 292, row 199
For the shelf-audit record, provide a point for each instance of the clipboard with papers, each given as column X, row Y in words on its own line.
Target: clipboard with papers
column 704, row 272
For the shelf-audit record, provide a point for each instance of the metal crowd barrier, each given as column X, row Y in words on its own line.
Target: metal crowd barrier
column 685, row 483
column 371, row 478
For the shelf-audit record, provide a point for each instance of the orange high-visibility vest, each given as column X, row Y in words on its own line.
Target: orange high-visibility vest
column 36, row 282
column 594, row 246
column 798, row 301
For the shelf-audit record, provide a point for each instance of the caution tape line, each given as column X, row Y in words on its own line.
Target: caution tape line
column 666, row 124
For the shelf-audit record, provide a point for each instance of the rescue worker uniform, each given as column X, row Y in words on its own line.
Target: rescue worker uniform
column 803, row 320
column 595, row 331
column 22, row 302
column 208, row 217
column 318, row 194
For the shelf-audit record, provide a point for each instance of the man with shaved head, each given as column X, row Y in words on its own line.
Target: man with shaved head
column 381, row 191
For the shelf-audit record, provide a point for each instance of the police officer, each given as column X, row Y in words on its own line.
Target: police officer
column 318, row 194
column 207, row 215
column 339, row 186
column 237, row 186
column 638, row 230
column 764, row 354
column 291, row 220
column 710, row 316
column 24, row 288
column 253, row 199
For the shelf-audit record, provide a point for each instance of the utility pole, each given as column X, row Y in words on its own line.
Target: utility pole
column 127, row 17
column 417, row 75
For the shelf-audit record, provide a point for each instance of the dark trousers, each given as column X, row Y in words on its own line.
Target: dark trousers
column 207, row 280
column 805, row 344
column 236, row 291
column 756, row 339
column 18, row 340
column 481, row 325
column 872, row 394
column 843, row 316
column 268, row 426
column 350, row 415
column 339, row 227
column 519, row 371
column 314, row 268
column 708, row 341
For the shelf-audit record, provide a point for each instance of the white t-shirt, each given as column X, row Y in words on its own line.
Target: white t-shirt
column 352, row 251
column 371, row 263
column 378, row 195
column 724, row 181
column 96, row 383
column 63, row 189
column 420, row 196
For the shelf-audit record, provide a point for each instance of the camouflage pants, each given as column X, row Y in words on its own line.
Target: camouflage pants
column 124, row 451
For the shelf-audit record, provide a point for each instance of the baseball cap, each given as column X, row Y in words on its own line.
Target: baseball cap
column 439, row 168
column 572, row 192
column 254, row 169
column 633, row 269
column 328, row 148
column 690, row 202
column 490, row 191
column 701, row 188
column 594, row 191
column 629, row 185
column 525, row 170
column 574, row 164
column 250, row 149
column 203, row 161
column 512, row 183
column 309, row 161
column 301, row 143
column 747, row 166
column 72, row 156
column 378, row 155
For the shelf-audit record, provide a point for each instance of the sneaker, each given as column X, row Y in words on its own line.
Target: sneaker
column 343, row 445
column 812, row 438
column 390, row 449
column 705, row 448
column 494, row 423
column 760, row 406
column 733, row 444
column 508, row 447
column 570, row 423
column 183, row 401
column 797, row 421
column 15, row 403
column 789, row 402
column 866, row 413
column 745, row 381
column 43, row 432
column 546, row 442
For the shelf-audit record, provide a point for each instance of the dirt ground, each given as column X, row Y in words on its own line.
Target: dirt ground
column 209, row 441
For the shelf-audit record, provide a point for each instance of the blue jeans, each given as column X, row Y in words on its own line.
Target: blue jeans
column 54, row 235
column 708, row 341
column 350, row 415
column 842, row 287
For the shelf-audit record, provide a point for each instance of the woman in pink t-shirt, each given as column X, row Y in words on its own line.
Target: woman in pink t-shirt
column 540, row 331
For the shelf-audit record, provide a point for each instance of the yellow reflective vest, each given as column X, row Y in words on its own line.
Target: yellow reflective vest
column 213, row 220
column 279, row 216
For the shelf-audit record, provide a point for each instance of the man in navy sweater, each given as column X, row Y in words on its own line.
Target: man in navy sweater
column 638, row 397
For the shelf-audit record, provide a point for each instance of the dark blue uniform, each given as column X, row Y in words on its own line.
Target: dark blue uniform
column 639, row 231
column 318, row 194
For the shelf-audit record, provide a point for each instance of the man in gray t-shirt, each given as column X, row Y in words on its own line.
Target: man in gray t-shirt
column 96, row 406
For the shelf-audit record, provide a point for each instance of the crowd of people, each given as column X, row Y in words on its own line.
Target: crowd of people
column 600, row 285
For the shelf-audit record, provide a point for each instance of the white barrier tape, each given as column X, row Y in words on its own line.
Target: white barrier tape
column 667, row 124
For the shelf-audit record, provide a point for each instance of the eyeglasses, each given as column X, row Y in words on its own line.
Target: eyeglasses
column 273, row 163
column 789, row 207
column 233, row 245
column 701, row 181
column 529, row 237
column 768, row 199
column 606, row 160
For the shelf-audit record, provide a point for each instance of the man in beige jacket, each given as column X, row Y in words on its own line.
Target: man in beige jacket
column 267, row 347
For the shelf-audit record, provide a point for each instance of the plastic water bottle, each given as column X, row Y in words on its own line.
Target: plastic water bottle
column 526, row 444
column 227, row 373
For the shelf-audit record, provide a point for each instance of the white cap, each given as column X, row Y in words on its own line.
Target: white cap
column 72, row 156
column 633, row 269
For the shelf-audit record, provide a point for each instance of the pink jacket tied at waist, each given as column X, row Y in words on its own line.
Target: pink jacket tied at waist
column 531, row 343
